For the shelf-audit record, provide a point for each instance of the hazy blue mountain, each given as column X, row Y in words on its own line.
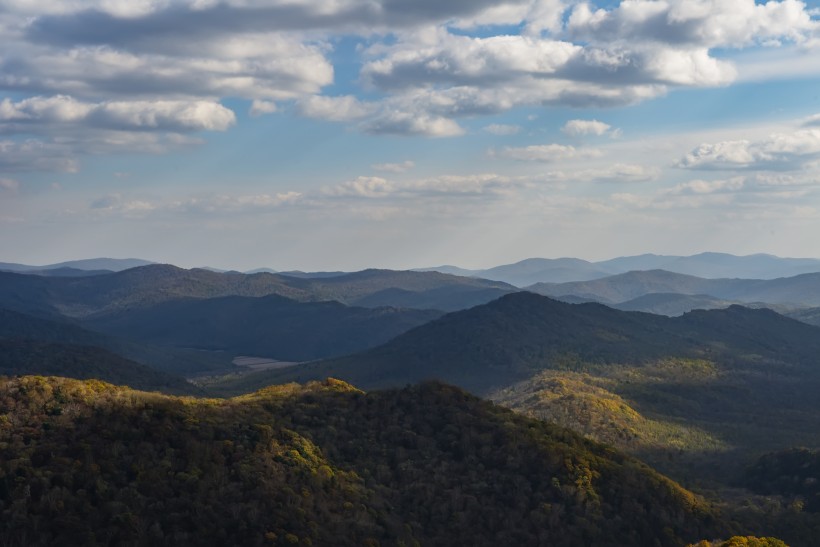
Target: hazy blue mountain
column 311, row 275
column 807, row 315
column 66, row 272
column 623, row 264
column 673, row 304
column 534, row 270
column 716, row 265
column 628, row 286
column 705, row 265
column 757, row 266
column 448, row 269
column 149, row 285
column 111, row 264
column 798, row 291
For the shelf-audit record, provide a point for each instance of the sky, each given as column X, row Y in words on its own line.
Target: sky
column 346, row 134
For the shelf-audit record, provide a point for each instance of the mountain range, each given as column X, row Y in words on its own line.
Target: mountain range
column 700, row 396
column 524, row 273
column 707, row 265
column 156, row 283
column 798, row 291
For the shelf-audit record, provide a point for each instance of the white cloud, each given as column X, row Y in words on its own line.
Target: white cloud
column 780, row 151
column 546, row 153
column 693, row 23
column 812, row 121
column 35, row 155
column 422, row 78
column 616, row 173
column 501, row 129
column 393, row 167
column 577, row 128
column 336, row 109
column 260, row 108
column 708, row 186
column 210, row 204
column 408, row 123
column 366, row 187
column 45, row 113
column 75, row 127
column 485, row 184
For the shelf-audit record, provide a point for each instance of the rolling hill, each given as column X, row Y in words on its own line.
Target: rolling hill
column 324, row 464
column 709, row 389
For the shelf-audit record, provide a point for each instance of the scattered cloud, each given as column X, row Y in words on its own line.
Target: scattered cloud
column 366, row 187
column 812, row 121
column 708, row 186
column 406, row 123
column 336, row 109
column 260, row 108
column 619, row 172
column 442, row 186
column 579, row 128
column 780, row 151
column 40, row 114
column 687, row 24
column 546, row 153
column 501, row 129
column 165, row 66
column 210, row 204
column 35, row 155
column 393, row 167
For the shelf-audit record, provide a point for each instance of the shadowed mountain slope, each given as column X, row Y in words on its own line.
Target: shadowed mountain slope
column 25, row 356
column 510, row 339
column 60, row 331
column 269, row 326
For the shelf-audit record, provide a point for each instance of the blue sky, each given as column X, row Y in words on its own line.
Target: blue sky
column 344, row 134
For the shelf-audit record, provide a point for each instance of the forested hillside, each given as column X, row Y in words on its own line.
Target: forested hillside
column 325, row 464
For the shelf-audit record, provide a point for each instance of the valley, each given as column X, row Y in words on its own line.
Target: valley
column 708, row 397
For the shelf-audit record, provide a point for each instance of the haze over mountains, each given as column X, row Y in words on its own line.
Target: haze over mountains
column 707, row 265
column 700, row 396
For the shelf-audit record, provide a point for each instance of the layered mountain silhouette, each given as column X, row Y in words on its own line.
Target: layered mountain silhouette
column 707, row 265
column 150, row 285
column 511, row 338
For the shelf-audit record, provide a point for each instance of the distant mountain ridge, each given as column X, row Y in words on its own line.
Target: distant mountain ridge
column 149, row 285
column 101, row 264
column 706, row 265
column 799, row 291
